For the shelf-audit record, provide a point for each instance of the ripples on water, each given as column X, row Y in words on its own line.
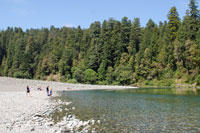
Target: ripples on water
column 143, row 110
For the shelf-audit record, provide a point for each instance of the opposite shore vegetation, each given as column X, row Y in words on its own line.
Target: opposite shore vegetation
column 112, row 52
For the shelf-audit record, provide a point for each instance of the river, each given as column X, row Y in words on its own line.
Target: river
column 140, row 110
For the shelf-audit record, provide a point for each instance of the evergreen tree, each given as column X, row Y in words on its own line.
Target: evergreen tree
column 193, row 19
column 194, row 12
column 135, row 40
column 174, row 22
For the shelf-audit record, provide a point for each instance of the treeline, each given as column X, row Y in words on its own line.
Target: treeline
column 114, row 52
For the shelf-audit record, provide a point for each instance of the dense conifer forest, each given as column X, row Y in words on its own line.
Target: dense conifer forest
column 112, row 52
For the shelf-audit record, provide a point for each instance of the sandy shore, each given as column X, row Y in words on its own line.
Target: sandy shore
column 22, row 113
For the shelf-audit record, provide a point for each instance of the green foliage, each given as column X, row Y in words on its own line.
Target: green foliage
column 174, row 22
column 20, row 74
column 90, row 76
column 123, row 75
column 194, row 12
column 197, row 79
column 114, row 52
column 74, row 81
column 102, row 82
column 78, row 75
column 110, row 75
column 102, row 71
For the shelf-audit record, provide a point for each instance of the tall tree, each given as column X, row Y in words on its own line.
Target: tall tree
column 193, row 19
column 135, row 40
column 174, row 22
column 194, row 12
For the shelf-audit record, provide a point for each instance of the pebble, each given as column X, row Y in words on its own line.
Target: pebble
column 69, row 116
column 32, row 129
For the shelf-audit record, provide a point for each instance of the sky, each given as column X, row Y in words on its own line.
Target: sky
column 71, row 13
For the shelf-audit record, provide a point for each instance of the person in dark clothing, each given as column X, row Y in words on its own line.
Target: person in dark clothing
column 47, row 90
column 51, row 92
column 28, row 91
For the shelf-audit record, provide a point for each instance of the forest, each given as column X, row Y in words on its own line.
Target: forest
column 112, row 52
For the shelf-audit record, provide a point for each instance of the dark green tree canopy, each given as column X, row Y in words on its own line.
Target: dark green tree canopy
column 112, row 52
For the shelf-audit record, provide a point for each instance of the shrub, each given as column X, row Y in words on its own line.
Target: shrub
column 90, row 76
column 78, row 75
column 21, row 74
column 197, row 79
column 74, row 81
column 102, row 82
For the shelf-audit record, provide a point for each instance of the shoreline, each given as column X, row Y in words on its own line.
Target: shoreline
column 7, row 84
column 174, row 87
column 22, row 113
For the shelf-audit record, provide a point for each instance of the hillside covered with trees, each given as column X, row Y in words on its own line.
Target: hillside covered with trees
column 111, row 52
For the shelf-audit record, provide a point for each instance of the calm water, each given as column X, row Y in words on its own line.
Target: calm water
column 143, row 110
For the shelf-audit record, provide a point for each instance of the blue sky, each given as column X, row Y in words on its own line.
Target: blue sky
column 44, row 13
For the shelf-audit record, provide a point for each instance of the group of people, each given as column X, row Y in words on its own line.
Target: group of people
column 49, row 93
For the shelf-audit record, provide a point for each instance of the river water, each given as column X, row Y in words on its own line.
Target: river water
column 137, row 110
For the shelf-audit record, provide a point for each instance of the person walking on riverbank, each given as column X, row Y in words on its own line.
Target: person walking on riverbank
column 28, row 91
column 47, row 90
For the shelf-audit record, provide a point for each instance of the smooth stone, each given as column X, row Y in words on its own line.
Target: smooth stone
column 32, row 129
column 37, row 115
column 69, row 116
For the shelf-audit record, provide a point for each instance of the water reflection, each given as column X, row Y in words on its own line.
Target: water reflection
column 161, row 91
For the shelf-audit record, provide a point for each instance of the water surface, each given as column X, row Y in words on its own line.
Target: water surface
column 143, row 110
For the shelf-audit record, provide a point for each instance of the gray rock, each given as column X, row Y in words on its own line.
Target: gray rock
column 33, row 129
column 69, row 116
column 37, row 115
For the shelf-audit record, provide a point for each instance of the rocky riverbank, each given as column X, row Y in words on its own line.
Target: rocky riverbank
column 23, row 113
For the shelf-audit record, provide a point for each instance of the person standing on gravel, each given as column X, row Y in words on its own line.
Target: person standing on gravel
column 28, row 91
column 51, row 92
column 47, row 90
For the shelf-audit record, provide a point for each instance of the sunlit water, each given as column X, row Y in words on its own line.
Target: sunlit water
column 143, row 110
